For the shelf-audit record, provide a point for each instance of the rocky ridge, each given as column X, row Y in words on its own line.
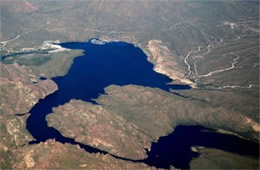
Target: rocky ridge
column 21, row 89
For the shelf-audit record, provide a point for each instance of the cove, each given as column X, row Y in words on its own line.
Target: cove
column 175, row 148
column 121, row 64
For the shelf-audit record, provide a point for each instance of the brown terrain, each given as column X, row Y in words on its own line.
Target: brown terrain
column 95, row 126
column 13, row 136
column 54, row 155
column 18, row 83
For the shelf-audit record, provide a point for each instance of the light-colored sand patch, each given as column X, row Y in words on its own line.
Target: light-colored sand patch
column 165, row 62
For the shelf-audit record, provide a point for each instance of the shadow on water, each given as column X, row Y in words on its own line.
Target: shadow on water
column 116, row 63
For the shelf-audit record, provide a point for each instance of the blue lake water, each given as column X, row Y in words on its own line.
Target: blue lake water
column 102, row 65
column 116, row 63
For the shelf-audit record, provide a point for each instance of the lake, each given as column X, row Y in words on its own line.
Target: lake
column 118, row 63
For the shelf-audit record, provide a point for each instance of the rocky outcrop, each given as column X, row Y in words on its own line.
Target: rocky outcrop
column 12, row 136
column 97, row 127
column 21, row 90
column 54, row 155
